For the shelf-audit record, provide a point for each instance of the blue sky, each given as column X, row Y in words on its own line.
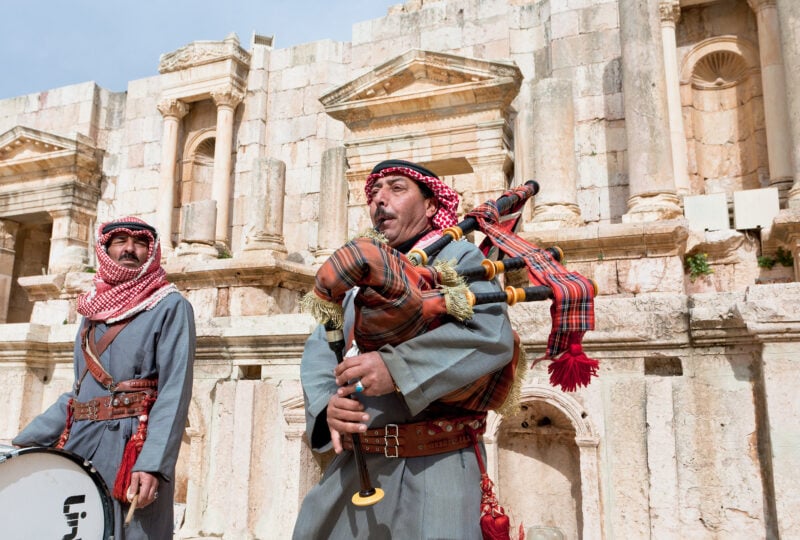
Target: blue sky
column 50, row 43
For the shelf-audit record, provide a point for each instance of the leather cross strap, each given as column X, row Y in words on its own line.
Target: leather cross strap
column 96, row 349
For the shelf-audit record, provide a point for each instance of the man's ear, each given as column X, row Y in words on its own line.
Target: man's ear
column 431, row 206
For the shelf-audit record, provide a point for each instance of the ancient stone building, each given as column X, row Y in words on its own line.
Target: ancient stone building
column 661, row 132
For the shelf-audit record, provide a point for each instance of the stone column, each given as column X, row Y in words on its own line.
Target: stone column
column 226, row 102
column 670, row 12
column 662, row 462
column 590, row 489
column 8, row 238
column 650, row 177
column 332, row 232
column 781, row 377
column 490, row 179
column 69, row 241
column 789, row 22
column 553, row 152
column 264, row 219
column 773, row 83
column 172, row 110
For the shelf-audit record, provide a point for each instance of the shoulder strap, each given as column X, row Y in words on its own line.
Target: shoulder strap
column 92, row 350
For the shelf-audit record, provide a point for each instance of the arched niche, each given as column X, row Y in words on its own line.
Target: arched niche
column 724, row 116
column 544, row 461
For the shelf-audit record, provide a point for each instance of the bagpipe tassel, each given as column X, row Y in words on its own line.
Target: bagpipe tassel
column 573, row 368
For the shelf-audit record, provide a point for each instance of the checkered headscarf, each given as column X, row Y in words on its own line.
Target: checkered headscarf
column 446, row 196
column 120, row 292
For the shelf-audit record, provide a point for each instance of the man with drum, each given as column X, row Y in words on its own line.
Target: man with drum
column 133, row 361
column 406, row 390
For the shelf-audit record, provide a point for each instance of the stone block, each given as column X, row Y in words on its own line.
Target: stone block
column 755, row 208
column 526, row 40
column 564, row 24
column 598, row 17
column 442, row 39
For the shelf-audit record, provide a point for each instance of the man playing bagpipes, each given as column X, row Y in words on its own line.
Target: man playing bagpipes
column 421, row 403
column 133, row 380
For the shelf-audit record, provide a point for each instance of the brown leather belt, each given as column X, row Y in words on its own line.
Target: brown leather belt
column 128, row 400
column 426, row 438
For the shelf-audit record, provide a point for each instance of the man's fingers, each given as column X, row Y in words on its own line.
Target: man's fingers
column 336, row 439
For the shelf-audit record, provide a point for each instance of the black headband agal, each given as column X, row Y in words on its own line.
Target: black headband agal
column 130, row 225
column 401, row 163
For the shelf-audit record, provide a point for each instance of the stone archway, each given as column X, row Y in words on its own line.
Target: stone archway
column 567, row 450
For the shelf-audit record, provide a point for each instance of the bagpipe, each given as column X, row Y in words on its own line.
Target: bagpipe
column 401, row 296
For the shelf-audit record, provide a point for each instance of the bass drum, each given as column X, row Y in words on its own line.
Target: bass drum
column 55, row 494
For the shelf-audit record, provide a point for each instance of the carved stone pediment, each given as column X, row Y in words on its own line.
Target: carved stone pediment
column 201, row 68
column 426, row 84
column 44, row 172
column 198, row 53
column 25, row 151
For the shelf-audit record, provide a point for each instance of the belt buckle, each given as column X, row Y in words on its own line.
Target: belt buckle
column 387, row 438
column 92, row 410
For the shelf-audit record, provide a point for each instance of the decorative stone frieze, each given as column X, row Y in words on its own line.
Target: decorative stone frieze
column 199, row 53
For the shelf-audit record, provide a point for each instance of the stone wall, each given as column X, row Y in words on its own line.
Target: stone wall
column 691, row 428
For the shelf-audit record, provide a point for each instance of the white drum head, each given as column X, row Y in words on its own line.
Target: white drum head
column 47, row 493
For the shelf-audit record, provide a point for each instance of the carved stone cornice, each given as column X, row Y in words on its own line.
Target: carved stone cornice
column 204, row 52
column 173, row 108
column 227, row 97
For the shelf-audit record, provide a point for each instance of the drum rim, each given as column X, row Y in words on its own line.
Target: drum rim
column 86, row 465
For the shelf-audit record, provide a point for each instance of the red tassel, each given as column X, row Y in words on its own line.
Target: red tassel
column 573, row 368
column 132, row 450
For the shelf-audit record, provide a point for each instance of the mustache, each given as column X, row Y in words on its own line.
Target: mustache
column 128, row 255
column 381, row 214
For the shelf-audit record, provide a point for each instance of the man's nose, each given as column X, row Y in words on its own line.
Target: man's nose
column 379, row 197
column 129, row 245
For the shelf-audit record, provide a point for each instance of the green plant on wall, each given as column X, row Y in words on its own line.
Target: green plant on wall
column 697, row 265
column 782, row 257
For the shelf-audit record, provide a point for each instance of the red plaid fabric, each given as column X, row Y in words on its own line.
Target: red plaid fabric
column 396, row 300
column 572, row 310
column 447, row 197
column 120, row 292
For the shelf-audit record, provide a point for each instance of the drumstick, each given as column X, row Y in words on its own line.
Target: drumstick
column 129, row 516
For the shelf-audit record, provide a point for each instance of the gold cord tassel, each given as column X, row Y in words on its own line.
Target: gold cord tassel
column 448, row 276
column 511, row 405
column 372, row 234
column 322, row 310
column 455, row 298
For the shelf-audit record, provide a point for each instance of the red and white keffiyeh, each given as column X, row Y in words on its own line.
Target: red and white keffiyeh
column 120, row 292
column 446, row 196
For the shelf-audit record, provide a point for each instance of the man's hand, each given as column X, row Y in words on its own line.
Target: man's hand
column 370, row 369
column 345, row 415
column 146, row 485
